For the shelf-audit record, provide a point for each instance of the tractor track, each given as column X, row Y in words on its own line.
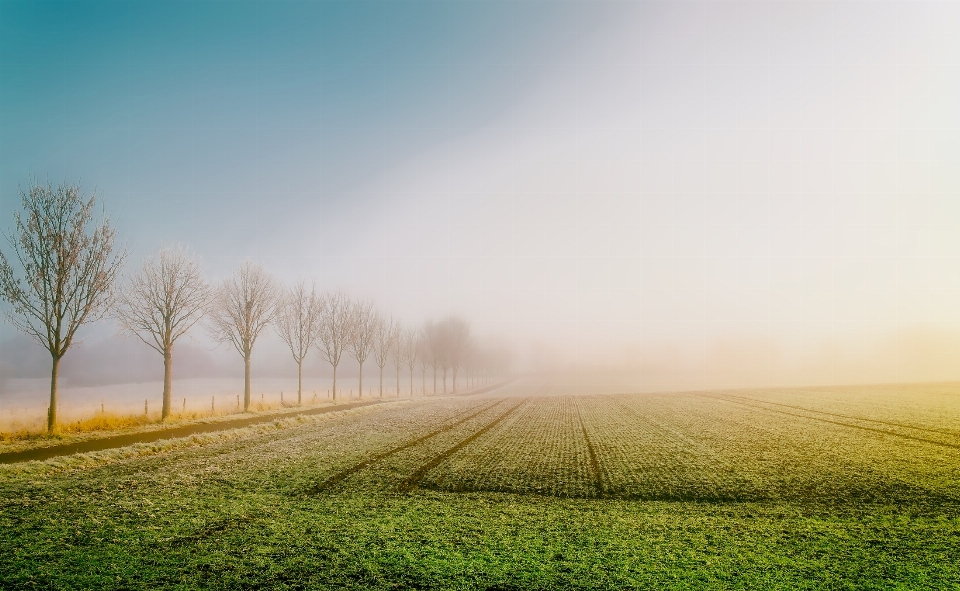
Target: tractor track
column 595, row 471
column 841, row 423
column 411, row 481
column 343, row 474
column 843, row 416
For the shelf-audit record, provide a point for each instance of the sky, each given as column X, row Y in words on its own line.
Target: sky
column 695, row 194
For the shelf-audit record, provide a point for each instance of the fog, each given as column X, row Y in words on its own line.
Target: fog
column 661, row 195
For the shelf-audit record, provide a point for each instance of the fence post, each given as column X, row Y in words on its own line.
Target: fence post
column 144, row 407
column 211, row 404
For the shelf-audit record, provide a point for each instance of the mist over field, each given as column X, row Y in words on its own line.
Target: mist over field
column 667, row 195
column 474, row 294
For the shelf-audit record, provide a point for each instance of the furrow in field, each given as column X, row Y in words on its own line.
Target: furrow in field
column 540, row 450
column 927, row 407
column 780, row 456
column 594, row 463
column 343, row 474
column 842, row 416
column 882, row 431
column 642, row 459
column 414, row 479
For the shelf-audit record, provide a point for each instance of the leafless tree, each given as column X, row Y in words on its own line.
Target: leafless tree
column 455, row 337
column 364, row 330
column 423, row 358
column 336, row 330
column 243, row 307
column 298, row 324
column 397, row 352
column 161, row 303
column 436, row 340
column 384, row 332
column 433, row 347
column 69, row 266
column 410, row 352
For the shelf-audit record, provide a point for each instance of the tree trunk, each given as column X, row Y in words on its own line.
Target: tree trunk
column 398, row 382
column 246, row 382
column 334, row 383
column 52, row 411
column 381, row 381
column 360, row 393
column 454, row 380
column 434, row 380
column 300, row 383
column 411, row 382
column 444, row 380
column 167, row 383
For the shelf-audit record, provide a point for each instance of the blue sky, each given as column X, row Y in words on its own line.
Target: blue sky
column 220, row 109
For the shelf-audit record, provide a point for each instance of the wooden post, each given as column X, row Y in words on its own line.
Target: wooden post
column 144, row 407
column 211, row 405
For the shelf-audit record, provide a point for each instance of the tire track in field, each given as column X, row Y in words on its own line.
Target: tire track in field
column 412, row 480
column 843, row 416
column 832, row 422
column 343, row 474
column 594, row 463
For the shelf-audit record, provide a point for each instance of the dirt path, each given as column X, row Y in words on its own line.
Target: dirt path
column 44, row 453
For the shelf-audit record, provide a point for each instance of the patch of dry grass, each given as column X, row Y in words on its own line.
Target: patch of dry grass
column 21, row 436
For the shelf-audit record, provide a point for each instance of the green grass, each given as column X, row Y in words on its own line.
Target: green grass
column 606, row 492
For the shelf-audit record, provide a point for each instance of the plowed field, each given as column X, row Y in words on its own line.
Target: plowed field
column 530, row 486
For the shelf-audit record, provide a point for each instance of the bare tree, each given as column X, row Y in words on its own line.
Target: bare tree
column 455, row 337
column 411, row 353
column 436, row 345
column 298, row 324
column 433, row 348
column 397, row 352
column 161, row 303
column 364, row 329
column 69, row 267
column 243, row 307
column 336, row 330
column 424, row 358
column 384, row 332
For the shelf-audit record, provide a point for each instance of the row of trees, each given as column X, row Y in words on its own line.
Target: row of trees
column 71, row 268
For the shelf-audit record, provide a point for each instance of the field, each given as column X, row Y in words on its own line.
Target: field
column 532, row 486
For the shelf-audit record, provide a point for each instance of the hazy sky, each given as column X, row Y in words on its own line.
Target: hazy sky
column 767, row 187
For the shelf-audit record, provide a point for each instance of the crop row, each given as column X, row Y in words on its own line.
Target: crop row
column 933, row 407
column 539, row 450
column 777, row 455
column 641, row 457
column 392, row 471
